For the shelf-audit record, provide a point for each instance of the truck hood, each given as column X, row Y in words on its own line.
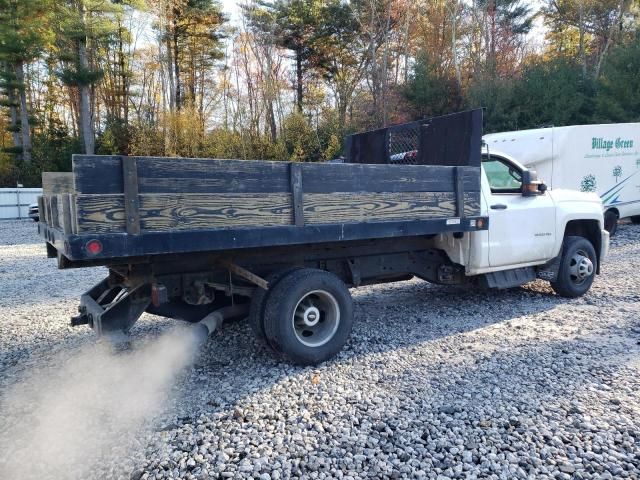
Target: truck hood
column 561, row 195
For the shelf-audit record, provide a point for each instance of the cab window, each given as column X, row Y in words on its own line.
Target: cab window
column 503, row 176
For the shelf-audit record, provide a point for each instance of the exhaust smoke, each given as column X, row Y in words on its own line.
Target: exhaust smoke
column 93, row 407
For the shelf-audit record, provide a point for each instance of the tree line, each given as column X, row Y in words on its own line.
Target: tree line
column 289, row 78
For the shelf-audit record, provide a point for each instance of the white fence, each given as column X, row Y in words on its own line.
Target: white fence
column 14, row 202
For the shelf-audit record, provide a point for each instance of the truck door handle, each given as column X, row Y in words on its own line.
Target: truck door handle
column 499, row 206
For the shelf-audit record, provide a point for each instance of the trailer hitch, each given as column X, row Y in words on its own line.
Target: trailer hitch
column 109, row 307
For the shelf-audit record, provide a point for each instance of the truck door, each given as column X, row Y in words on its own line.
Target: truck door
column 521, row 229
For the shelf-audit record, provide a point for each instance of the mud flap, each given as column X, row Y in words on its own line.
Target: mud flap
column 549, row 271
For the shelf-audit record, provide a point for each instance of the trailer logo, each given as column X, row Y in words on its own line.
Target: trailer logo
column 606, row 144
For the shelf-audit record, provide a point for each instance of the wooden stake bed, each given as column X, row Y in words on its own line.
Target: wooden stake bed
column 150, row 206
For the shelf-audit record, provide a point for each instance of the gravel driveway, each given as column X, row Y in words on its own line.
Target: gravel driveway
column 436, row 382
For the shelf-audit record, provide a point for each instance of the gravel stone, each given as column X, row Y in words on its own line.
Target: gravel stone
column 435, row 382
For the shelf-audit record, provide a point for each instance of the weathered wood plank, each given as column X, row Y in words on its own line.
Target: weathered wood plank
column 197, row 175
column 55, row 217
column 100, row 175
column 64, row 203
column 471, row 204
column 353, row 177
column 459, row 191
column 161, row 212
column 105, row 213
column 74, row 214
column 131, row 199
column 100, row 213
column 47, row 209
column 322, row 208
column 54, row 183
column 41, row 210
column 194, row 211
column 97, row 174
column 297, row 194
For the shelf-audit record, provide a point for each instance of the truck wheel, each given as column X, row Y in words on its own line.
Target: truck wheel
column 635, row 219
column 258, row 301
column 308, row 316
column 611, row 222
column 577, row 268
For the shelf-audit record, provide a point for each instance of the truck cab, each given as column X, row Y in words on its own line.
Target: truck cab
column 531, row 229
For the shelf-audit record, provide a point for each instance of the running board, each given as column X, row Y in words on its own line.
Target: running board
column 510, row 278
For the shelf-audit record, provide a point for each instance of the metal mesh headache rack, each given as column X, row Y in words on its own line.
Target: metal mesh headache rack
column 403, row 144
column 449, row 140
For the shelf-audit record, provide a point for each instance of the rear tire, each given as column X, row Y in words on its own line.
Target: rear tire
column 611, row 222
column 635, row 219
column 308, row 316
column 259, row 299
column 577, row 268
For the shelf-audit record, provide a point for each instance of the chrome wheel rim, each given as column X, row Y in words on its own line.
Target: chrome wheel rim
column 316, row 318
column 580, row 267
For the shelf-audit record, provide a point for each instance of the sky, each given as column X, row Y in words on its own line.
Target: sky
column 231, row 8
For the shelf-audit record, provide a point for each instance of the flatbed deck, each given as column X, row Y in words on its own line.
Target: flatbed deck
column 125, row 206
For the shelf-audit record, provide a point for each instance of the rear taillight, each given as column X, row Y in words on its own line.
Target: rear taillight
column 93, row 247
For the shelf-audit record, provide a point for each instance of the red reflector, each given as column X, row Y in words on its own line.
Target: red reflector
column 94, row 247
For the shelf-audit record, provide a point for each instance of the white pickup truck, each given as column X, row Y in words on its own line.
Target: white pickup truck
column 556, row 235
column 282, row 243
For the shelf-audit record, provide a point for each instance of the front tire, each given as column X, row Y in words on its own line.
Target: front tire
column 308, row 316
column 577, row 268
column 611, row 222
column 635, row 219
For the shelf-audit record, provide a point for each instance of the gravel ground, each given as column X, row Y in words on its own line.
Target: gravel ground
column 436, row 382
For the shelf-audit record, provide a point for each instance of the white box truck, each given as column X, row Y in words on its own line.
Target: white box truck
column 591, row 158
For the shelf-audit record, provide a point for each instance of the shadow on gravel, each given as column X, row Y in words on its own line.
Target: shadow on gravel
column 234, row 366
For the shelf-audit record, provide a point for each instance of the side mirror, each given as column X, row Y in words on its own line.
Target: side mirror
column 531, row 186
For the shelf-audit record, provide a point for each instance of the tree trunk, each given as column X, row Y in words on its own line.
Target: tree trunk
column 176, row 65
column 299, row 91
column 25, row 129
column 375, row 86
column 622, row 10
column 385, row 64
column 169, row 67
column 581, row 50
column 454, row 47
column 13, row 118
column 271, row 120
column 84, row 89
column 124, row 92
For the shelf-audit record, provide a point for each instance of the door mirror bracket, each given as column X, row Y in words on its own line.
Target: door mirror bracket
column 531, row 186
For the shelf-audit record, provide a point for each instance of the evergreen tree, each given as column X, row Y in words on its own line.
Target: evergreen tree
column 24, row 32
column 82, row 25
column 295, row 24
column 618, row 98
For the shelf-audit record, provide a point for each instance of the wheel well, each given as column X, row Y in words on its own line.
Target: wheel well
column 589, row 229
column 614, row 210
